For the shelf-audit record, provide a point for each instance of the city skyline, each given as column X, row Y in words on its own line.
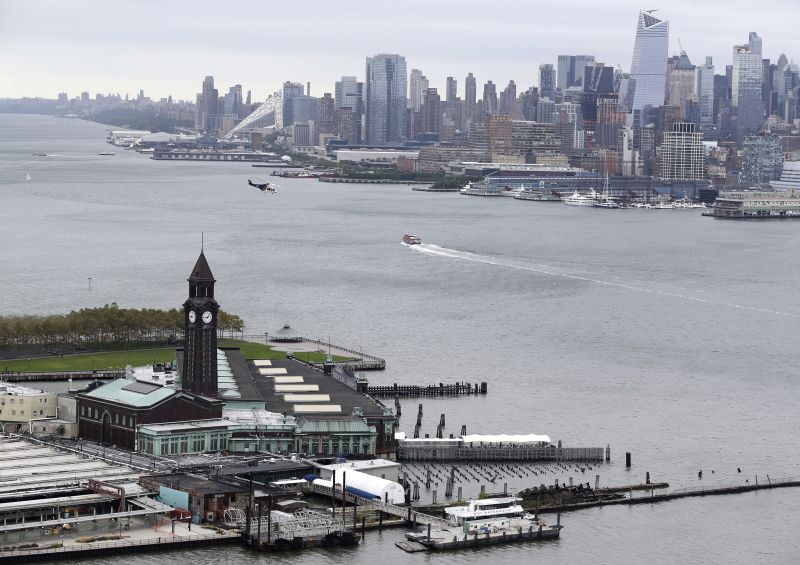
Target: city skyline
column 72, row 49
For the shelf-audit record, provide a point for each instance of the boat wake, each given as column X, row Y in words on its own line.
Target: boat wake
column 586, row 276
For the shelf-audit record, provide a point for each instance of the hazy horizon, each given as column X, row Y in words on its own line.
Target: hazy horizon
column 168, row 48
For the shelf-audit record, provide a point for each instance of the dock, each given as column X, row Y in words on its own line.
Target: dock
column 369, row 181
column 452, row 537
column 651, row 497
column 456, row 450
column 417, row 391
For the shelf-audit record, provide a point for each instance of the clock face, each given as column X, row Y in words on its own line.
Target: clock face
column 192, row 317
column 207, row 317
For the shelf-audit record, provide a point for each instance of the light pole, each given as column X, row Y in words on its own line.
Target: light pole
column 93, row 364
column 29, row 364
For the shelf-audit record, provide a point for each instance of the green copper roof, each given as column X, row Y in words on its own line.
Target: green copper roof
column 116, row 391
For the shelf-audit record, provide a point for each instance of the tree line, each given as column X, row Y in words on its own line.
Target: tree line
column 109, row 323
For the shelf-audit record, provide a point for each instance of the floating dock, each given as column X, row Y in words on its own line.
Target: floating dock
column 453, row 537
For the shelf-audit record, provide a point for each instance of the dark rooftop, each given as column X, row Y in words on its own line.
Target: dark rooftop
column 245, row 381
column 267, row 466
column 340, row 393
column 201, row 271
column 197, row 484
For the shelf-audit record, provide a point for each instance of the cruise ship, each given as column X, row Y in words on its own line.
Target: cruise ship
column 756, row 206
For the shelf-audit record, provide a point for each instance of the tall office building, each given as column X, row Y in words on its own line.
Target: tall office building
column 570, row 71
column 705, row 92
column 681, row 154
column 610, row 120
column 508, row 98
column 746, row 88
column 417, row 85
column 452, row 89
column 289, row 91
column 547, row 81
column 680, row 82
column 208, row 107
column 470, row 98
column 349, row 108
column 649, row 64
column 432, row 112
column 385, row 100
column 490, row 98
column 326, row 116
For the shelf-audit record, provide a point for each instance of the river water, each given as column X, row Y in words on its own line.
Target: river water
column 659, row 332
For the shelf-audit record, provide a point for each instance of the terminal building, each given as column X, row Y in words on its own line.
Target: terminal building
column 223, row 402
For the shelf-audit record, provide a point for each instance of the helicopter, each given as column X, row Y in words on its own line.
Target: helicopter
column 263, row 185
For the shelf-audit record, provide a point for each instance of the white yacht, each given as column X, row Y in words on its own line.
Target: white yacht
column 578, row 199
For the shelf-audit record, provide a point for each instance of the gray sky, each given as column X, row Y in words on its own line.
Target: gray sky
column 167, row 47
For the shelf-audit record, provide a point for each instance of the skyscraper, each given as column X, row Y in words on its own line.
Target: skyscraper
column 289, row 91
column 547, row 81
column 386, row 87
column 452, row 89
column 326, row 119
column 209, row 107
column 417, row 85
column 746, row 88
column 570, row 71
column 432, row 112
column 680, row 82
column 349, row 107
column 649, row 64
column 490, row 98
column 508, row 97
column 470, row 97
column 705, row 92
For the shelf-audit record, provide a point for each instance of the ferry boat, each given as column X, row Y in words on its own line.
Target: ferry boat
column 578, row 199
column 410, row 239
column 489, row 513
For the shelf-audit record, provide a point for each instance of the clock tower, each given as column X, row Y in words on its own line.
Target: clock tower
column 199, row 370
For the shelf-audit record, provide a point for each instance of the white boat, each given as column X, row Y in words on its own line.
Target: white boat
column 28, row 176
column 605, row 201
column 486, row 513
column 578, row 199
column 106, row 153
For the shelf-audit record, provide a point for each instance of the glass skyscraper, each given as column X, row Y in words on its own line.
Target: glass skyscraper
column 649, row 65
column 386, row 88
column 746, row 87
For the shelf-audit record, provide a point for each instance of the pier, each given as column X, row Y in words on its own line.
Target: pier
column 417, row 391
column 409, row 452
column 370, row 181
column 650, row 495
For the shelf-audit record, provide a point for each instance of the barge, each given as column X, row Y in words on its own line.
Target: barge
column 489, row 521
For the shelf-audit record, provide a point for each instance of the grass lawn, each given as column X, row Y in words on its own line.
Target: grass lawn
column 84, row 362
column 141, row 357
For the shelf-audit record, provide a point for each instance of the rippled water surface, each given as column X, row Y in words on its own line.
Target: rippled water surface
column 659, row 332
